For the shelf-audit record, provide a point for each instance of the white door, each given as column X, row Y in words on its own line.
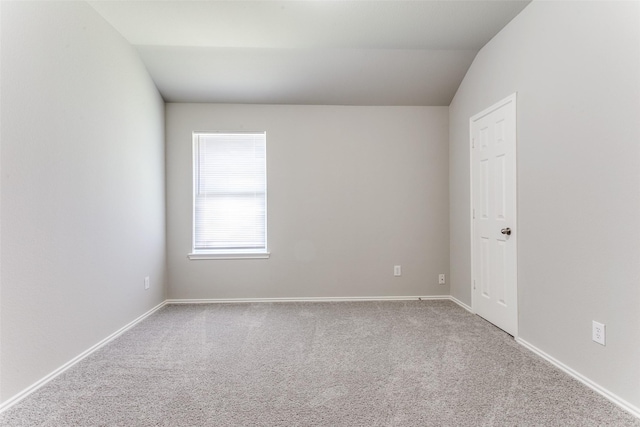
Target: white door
column 493, row 224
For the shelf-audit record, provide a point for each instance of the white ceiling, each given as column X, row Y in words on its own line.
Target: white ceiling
column 309, row 52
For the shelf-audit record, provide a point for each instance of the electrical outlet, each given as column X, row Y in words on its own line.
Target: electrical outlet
column 397, row 270
column 146, row 282
column 598, row 333
column 441, row 279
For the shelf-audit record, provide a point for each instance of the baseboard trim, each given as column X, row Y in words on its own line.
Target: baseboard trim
column 35, row 386
column 303, row 299
column 635, row 411
column 461, row 304
column 632, row 409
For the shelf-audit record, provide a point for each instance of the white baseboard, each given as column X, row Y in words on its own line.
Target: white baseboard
column 461, row 304
column 304, row 299
column 634, row 410
column 35, row 386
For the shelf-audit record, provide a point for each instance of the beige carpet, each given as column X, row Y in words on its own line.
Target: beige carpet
column 417, row 363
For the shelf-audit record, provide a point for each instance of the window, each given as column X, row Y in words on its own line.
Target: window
column 229, row 195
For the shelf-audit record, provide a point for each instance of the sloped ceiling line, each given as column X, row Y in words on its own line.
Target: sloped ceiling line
column 309, row 52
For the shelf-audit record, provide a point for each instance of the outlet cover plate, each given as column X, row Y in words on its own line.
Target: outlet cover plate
column 397, row 270
column 598, row 333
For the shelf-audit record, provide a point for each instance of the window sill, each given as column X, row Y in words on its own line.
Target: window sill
column 228, row 255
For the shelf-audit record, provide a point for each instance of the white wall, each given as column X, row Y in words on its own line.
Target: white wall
column 351, row 192
column 82, row 204
column 576, row 68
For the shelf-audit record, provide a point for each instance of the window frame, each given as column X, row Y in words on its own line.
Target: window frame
column 212, row 253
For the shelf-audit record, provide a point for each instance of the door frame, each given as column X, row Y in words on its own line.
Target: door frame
column 513, row 100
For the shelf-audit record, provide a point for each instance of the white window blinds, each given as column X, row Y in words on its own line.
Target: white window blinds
column 230, row 192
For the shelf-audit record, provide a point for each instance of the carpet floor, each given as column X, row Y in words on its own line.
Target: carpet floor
column 392, row 363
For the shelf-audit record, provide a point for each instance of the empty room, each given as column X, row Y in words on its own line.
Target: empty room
column 320, row 213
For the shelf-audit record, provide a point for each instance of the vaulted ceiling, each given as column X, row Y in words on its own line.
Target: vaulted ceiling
column 309, row 52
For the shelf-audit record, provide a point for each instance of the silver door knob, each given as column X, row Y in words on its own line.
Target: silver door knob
column 506, row 231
